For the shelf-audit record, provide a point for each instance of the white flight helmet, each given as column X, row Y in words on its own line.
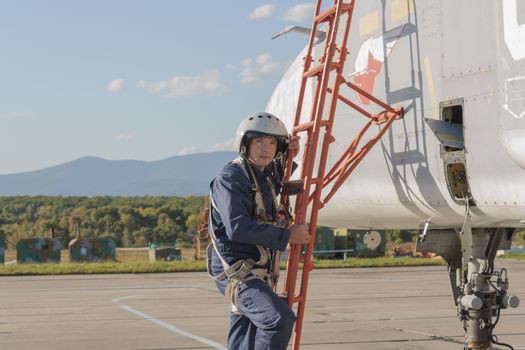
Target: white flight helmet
column 261, row 124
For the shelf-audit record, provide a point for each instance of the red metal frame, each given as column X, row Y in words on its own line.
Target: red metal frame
column 350, row 158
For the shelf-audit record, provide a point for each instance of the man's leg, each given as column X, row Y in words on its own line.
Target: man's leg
column 268, row 312
column 242, row 333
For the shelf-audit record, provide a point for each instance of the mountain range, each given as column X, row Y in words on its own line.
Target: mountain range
column 92, row 176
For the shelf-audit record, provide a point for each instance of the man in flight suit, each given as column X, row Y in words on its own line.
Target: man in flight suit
column 245, row 232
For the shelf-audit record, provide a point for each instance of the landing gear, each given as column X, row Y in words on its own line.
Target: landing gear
column 479, row 290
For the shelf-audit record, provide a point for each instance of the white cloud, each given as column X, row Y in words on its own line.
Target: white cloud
column 115, row 85
column 229, row 66
column 265, row 58
column 126, row 136
column 299, row 13
column 263, row 11
column 187, row 150
column 209, row 83
column 249, row 76
column 228, row 145
column 255, row 70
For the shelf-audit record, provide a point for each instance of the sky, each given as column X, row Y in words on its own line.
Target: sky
column 136, row 79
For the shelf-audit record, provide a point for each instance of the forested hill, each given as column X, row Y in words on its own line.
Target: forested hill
column 92, row 176
column 130, row 221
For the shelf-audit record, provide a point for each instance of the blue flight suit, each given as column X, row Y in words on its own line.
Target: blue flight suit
column 265, row 320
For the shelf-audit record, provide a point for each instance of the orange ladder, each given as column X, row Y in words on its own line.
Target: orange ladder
column 329, row 78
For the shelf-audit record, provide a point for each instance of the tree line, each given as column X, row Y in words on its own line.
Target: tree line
column 129, row 221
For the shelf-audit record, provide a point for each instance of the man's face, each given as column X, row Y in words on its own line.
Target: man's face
column 261, row 151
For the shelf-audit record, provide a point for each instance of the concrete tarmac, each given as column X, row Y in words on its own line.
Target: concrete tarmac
column 373, row 308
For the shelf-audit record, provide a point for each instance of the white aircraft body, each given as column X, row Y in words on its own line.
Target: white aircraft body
column 461, row 60
column 454, row 166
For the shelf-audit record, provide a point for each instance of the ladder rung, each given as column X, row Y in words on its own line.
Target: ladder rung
column 325, row 15
column 303, row 127
column 297, row 299
column 319, row 69
column 314, row 71
column 308, row 126
column 316, row 181
column 329, row 13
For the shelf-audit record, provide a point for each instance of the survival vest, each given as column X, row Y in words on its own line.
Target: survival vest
column 245, row 270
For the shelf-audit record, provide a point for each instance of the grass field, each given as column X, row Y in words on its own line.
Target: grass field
column 123, row 255
column 137, row 261
column 513, row 256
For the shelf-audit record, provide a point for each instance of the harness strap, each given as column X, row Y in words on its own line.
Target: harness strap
column 241, row 271
column 229, row 270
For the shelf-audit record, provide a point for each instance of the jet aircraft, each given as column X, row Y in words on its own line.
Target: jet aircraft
column 454, row 166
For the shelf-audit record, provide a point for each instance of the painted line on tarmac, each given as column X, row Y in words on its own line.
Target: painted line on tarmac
column 174, row 329
column 125, row 298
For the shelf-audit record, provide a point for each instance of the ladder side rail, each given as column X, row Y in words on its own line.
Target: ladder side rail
column 306, row 67
column 292, row 264
column 310, row 157
column 294, row 255
column 327, row 139
column 299, row 214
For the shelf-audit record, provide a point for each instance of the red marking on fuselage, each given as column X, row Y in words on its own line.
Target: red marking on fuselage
column 366, row 79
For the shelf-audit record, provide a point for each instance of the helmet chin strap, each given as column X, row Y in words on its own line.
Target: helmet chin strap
column 255, row 165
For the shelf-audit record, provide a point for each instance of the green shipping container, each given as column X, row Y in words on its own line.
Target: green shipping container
column 341, row 242
column 164, row 252
column 38, row 250
column 92, row 250
column 324, row 240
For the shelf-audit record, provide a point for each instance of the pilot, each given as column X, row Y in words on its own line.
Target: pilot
column 246, row 230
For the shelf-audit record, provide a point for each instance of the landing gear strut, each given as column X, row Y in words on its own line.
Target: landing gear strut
column 479, row 290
